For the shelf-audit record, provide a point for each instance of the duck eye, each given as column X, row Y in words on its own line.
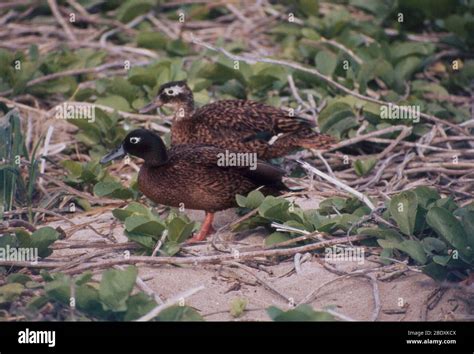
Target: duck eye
column 134, row 140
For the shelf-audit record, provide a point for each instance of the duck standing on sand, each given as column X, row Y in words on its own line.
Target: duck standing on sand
column 237, row 125
column 190, row 174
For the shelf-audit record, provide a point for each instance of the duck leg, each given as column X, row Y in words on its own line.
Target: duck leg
column 205, row 230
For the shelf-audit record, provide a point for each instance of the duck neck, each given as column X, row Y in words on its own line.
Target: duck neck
column 186, row 108
column 156, row 156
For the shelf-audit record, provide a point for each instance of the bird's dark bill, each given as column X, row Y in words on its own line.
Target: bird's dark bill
column 114, row 155
column 149, row 107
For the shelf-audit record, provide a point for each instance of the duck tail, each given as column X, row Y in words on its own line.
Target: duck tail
column 275, row 189
column 314, row 140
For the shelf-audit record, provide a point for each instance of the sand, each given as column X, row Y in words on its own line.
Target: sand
column 402, row 298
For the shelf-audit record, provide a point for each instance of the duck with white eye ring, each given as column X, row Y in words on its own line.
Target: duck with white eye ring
column 190, row 174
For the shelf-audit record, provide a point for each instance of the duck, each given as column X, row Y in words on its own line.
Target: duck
column 194, row 175
column 237, row 125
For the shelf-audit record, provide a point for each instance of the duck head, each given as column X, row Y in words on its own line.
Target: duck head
column 175, row 94
column 141, row 143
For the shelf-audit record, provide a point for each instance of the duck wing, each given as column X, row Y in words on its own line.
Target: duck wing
column 263, row 174
column 253, row 120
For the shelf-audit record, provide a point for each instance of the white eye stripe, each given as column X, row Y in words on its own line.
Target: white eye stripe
column 174, row 90
column 135, row 140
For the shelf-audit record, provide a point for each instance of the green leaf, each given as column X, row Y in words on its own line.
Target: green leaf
column 88, row 300
column 435, row 271
column 414, row 249
column 36, row 303
column 403, row 208
column 177, row 47
column 405, row 49
column 426, row 195
column 116, row 287
column 386, row 234
column 411, row 247
column 10, row 292
column 254, row 199
column 151, row 40
column 326, row 62
column 407, row 66
column 363, row 167
column 308, row 7
column 433, row 244
column 123, row 88
column 73, row 167
column 133, row 8
column 467, row 220
column 426, row 86
column 133, row 208
column 300, row 313
column 220, row 73
column 237, row 306
column 275, row 209
column 179, row 229
column 112, row 190
column 18, row 278
column 59, row 288
column 143, row 225
column 116, row 102
column 179, row 313
column 84, row 278
column 450, row 228
column 275, row 238
column 41, row 239
column 336, row 119
column 147, row 242
column 241, row 200
column 170, row 248
column 139, row 305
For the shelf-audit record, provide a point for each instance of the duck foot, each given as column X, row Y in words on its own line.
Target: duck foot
column 206, row 229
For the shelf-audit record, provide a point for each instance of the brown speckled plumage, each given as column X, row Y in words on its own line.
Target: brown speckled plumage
column 189, row 174
column 237, row 125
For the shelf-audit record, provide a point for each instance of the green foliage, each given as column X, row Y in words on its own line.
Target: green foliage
column 101, row 134
column 337, row 119
column 145, row 227
column 403, row 208
column 39, row 241
column 363, row 167
column 94, row 177
column 299, row 313
column 238, row 306
column 440, row 233
column 113, row 298
column 273, row 209
column 10, row 292
column 116, row 287
column 133, row 8
column 16, row 189
column 179, row 313
column 433, row 231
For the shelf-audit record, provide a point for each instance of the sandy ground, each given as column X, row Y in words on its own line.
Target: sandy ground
column 402, row 298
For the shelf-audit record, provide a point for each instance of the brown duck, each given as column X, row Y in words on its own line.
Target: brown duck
column 236, row 125
column 191, row 176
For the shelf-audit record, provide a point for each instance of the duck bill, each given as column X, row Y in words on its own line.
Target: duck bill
column 114, row 155
column 151, row 106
